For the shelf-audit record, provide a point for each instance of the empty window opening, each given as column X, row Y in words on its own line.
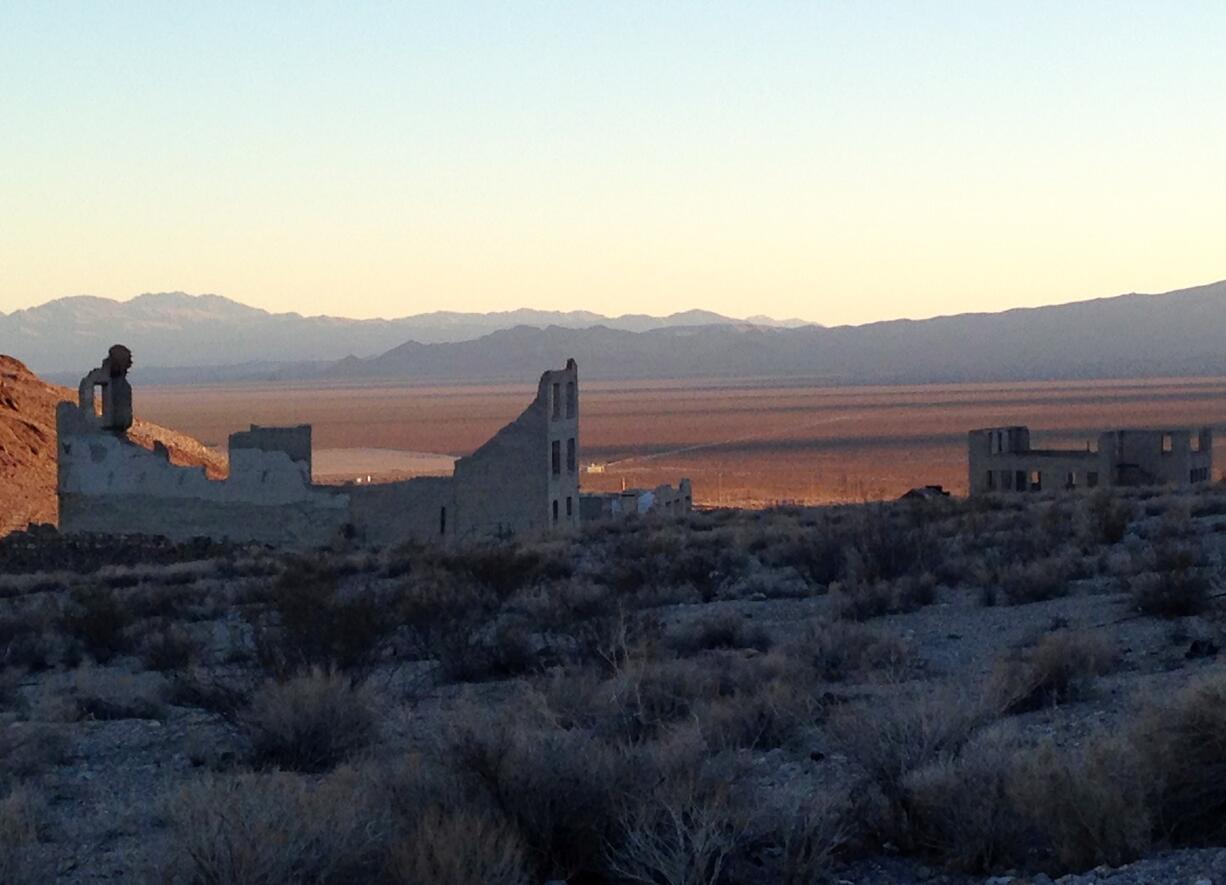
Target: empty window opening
column 1036, row 481
column 571, row 403
column 555, row 509
column 556, row 457
column 991, row 480
column 1070, row 481
column 442, row 520
column 570, row 455
column 557, row 401
column 1168, row 444
column 570, row 507
column 1092, row 479
column 1196, row 442
column 1019, row 480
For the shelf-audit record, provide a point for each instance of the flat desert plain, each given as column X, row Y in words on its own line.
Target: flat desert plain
column 745, row 443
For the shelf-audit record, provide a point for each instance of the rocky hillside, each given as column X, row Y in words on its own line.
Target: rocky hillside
column 27, row 446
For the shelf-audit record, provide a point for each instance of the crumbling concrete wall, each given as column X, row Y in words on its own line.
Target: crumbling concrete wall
column 1001, row 459
column 526, row 477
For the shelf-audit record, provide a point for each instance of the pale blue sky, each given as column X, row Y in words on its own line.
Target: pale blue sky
column 838, row 161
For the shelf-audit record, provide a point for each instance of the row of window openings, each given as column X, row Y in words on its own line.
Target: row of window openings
column 1021, row 481
column 570, row 508
column 556, row 456
column 571, row 403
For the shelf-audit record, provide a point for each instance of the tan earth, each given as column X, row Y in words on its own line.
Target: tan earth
column 28, row 446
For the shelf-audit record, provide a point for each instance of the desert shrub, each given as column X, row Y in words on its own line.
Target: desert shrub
column 817, row 555
column 96, row 618
column 1037, row 580
column 459, row 847
column 478, row 650
column 732, row 699
column 167, row 647
column 1085, row 807
column 838, row 650
column 1183, row 745
column 111, row 694
column 25, row 642
column 29, row 749
column 859, row 602
column 770, row 717
column 505, row 567
column 559, row 788
column 958, row 808
column 1178, row 586
column 1060, row 668
column 890, row 741
column 318, row 626
column 680, row 834
column 22, row 817
column 1110, row 516
column 885, row 543
column 814, row 832
column 310, row 723
column 205, row 690
column 727, row 630
column 270, row 829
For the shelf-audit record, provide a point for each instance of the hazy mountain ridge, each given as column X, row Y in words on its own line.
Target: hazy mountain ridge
column 175, row 330
column 1179, row 333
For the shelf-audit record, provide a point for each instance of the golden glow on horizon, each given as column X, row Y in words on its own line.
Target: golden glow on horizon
column 840, row 163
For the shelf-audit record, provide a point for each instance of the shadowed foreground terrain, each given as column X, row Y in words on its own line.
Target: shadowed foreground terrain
column 935, row 692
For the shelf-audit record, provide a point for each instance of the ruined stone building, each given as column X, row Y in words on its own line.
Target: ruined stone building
column 524, row 479
column 1001, row 459
column 637, row 502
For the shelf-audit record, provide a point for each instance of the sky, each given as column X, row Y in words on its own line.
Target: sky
column 841, row 162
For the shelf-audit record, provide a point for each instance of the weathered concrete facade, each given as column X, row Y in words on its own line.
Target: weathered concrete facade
column 524, row 479
column 1001, row 459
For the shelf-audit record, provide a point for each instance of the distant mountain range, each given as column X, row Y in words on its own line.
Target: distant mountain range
column 1175, row 334
column 175, row 330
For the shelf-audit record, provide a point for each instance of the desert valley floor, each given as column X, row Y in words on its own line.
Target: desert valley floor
column 743, row 443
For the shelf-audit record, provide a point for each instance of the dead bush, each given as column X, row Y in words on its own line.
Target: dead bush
column 559, row 788
column 680, row 834
column 1183, row 745
column 958, row 808
column 1110, row 516
column 727, row 630
column 30, row 749
column 1061, row 668
column 890, row 741
column 838, row 651
column 1086, row 807
column 1037, row 580
column 22, row 816
column 111, row 694
column 459, row 847
column 1178, row 586
column 309, row 723
column 316, row 625
column 95, row 618
column 270, row 829
column 167, row 647
column 816, row 829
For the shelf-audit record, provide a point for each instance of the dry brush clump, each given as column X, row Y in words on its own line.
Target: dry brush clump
column 310, row 723
column 1060, row 668
column 274, row 828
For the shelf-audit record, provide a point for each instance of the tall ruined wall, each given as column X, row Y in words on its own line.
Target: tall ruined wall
column 110, row 485
column 527, row 472
column 421, row 509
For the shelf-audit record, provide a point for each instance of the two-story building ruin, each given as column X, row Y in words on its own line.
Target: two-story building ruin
column 1001, row 459
column 524, row 479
